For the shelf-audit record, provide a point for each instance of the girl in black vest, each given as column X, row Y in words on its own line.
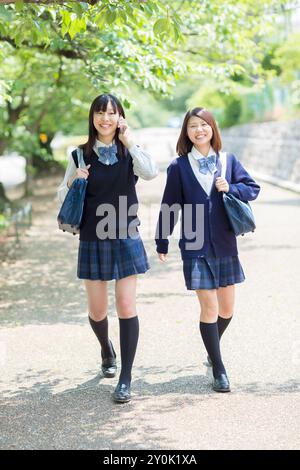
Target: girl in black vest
column 110, row 246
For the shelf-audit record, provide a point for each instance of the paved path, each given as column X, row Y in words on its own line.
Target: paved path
column 52, row 396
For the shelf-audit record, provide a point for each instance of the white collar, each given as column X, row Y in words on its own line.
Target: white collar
column 98, row 143
column 197, row 155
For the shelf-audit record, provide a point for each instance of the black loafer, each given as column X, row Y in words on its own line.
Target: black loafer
column 122, row 393
column 109, row 364
column 221, row 384
column 109, row 367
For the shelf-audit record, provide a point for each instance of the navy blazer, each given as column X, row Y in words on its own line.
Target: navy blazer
column 184, row 190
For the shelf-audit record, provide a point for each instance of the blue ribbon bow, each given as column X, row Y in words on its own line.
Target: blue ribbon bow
column 108, row 155
column 207, row 164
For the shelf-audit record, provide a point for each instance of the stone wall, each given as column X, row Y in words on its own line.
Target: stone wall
column 269, row 150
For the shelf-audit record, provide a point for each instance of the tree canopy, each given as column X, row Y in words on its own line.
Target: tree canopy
column 56, row 55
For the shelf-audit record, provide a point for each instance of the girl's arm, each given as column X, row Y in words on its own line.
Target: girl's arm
column 143, row 164
column 242, row 185
column 170, row 207
column 69, row 176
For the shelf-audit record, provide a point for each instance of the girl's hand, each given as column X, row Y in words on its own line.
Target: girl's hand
column 162, row 257
column 222, row 185
column 125, row 134
column 82, row 172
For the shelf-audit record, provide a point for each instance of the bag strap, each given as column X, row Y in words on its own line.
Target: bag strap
column 223, row 160
column 78, row 158
column 81, row 163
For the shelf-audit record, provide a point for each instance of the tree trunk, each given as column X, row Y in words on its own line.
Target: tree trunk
column 3, row 145
column 3, row 198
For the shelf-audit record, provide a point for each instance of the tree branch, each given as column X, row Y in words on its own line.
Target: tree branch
column 69, row 54
column 14, row 113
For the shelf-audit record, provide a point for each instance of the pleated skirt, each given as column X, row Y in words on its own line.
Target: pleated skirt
column 210, row 272
column 106, row 260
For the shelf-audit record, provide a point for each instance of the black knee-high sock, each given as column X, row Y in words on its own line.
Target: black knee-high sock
column 129, row 335
column 100, row 329
column 210, row 336
column 222, row 324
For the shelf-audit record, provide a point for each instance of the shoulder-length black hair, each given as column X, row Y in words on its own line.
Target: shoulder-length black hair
column 184, row 144
column 100, row 104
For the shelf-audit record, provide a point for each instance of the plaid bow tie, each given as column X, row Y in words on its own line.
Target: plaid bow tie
column 108, row 155
column 207, row 164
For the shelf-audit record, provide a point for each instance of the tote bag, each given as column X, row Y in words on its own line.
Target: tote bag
column 70, row 214
column 239, row 213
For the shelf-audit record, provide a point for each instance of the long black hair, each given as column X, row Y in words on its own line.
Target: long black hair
column 100, row 104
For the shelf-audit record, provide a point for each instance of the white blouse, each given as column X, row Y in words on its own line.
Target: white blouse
column 206, row 181
column 143, row 166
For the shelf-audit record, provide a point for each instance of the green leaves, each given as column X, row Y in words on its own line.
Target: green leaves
column 73, row 50
column 111, row 16
column 287, row 57
column 19, row 5
column 162, row 26
column 168, row 27
column 66, row 17
column 6, row 14
column 72, row 24
column 78, row 9
column 4, row 93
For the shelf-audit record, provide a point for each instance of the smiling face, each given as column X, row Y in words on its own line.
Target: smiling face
column 106, row 122
column 199, row 131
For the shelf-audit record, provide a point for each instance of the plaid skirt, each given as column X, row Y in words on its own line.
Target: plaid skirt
column 105, row 260
column 209, row 272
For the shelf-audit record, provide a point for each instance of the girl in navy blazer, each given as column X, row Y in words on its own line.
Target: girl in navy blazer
column 208, row 245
